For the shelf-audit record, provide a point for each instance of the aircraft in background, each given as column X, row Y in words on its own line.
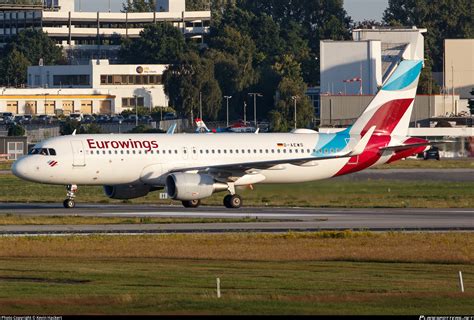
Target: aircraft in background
column 193, row 167
column 239, row 126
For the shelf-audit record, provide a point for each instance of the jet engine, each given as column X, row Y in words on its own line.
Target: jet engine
column 192, row 186
column 127, row 191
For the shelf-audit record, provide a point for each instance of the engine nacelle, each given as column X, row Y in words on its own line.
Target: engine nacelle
column 192, row 186
column 126, row 191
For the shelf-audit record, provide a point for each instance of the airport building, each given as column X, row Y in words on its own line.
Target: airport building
column 96, row 88
column 97, row 35
column 353, row 71
column 360, row 66
column 459, row 67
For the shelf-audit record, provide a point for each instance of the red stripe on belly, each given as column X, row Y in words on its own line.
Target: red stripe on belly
column 370, row 156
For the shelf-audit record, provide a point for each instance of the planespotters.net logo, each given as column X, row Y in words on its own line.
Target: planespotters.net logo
column 446, row 318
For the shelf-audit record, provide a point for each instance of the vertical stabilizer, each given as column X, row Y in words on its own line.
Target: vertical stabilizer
column 390, row 110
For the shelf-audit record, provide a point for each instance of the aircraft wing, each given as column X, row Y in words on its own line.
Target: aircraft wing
column 243, row 167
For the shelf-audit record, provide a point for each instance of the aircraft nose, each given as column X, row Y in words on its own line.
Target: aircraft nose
column 20, row 169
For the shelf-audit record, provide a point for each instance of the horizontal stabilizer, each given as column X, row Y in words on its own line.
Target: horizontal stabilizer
column 360, row 146
column 413, row 145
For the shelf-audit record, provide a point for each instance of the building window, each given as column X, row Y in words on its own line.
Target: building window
column 130, row 102
column 15, row 150
column 71, row 80
column 118, row 79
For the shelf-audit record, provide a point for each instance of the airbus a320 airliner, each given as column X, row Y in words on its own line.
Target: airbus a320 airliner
column 192, row 167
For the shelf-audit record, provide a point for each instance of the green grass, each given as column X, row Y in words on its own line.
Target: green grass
column 467, row 163
column 165, row 285
column 12, row 219
column 326, row 193
column 5, row 165
column 294, row 273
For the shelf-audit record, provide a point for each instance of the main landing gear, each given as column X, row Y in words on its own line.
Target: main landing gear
column 191, row 203
column 232, row 201
column 69, row 203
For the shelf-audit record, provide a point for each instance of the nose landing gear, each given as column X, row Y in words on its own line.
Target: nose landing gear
column 69, row 203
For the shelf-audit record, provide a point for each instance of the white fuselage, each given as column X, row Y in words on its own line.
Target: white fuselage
column 116, row 159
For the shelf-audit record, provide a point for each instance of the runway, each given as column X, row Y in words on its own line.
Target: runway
column 266, row 219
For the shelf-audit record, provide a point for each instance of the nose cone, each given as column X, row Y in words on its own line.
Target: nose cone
column 20, row 169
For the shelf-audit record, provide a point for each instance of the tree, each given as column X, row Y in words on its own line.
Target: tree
column 69, row 126
column 139, row 6
column 185, row 81
column 16, row 130
column 290, row 86
column 443, row 19
column 15, row 66
column 160, row 43
column 36, row 45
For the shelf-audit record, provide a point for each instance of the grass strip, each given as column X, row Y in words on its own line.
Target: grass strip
column 310, row 273
column 12, row 219
column 326, row 193
column 321, row 246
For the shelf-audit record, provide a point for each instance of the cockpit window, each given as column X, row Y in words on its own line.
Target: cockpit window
column 43, row 151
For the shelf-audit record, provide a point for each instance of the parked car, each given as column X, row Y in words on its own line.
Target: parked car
column 145, row 119
column 131, row 118
column 432, row 153
column 27, row 118
column 169, row 116
column 43, row 118
column 117, row 119
column 19, row 119
column 103, row 119
column 88, row 118
column 76, row 116
column 8, row 117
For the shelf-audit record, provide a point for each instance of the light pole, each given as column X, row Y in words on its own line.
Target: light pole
column 136, row 110
column 149, row 95
column 200, row 105
column 255, row 95
column 294, row 100
column 227, row 98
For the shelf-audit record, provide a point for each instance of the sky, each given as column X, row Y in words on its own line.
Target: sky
column 357, row 9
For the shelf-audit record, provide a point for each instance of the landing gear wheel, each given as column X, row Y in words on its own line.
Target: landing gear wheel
column 227, row 200
column 233, row 201
column 191, row 203
column 69, row 203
